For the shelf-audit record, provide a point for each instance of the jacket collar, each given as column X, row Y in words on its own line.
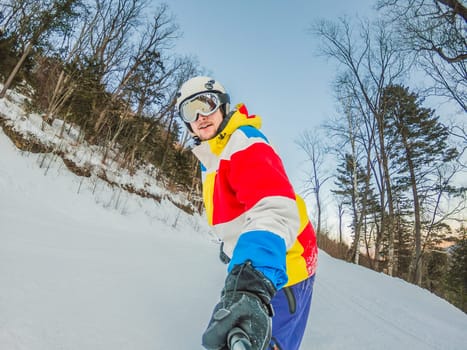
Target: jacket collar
column 214, row 146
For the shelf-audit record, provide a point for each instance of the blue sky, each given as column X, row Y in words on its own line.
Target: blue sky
column 265, row 56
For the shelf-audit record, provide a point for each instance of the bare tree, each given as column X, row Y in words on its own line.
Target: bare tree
column 72, row 50
column 371, row 60
column 32, row 22
column 351, row 179
column 8, row 16
column 435, row 33
column 315, row 150
column 181, row 69
column 157, row 36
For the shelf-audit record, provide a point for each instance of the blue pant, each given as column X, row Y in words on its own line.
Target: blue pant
column 291, row 308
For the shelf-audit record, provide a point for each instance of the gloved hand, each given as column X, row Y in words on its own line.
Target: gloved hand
column 245, row 303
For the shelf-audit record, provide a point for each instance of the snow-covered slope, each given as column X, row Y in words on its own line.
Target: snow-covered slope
column 84, row 266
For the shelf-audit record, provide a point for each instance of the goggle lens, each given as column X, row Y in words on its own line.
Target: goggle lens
column 203, row 104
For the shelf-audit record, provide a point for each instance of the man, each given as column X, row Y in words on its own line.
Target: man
column 268, row 240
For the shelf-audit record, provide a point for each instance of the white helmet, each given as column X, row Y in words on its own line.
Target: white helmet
column 198, row 85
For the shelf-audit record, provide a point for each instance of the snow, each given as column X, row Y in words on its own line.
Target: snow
column 84, row 265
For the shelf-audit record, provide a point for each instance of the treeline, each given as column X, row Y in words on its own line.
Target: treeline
column 106, row 66
column 399, row 180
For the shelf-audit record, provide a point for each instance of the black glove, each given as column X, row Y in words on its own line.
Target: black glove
column 244, row 304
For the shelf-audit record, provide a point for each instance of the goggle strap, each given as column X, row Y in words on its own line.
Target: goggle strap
column 224, row 98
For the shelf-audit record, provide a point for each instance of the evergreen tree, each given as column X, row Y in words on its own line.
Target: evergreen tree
column 419, row 147
column 456, row 278
column 358, row 195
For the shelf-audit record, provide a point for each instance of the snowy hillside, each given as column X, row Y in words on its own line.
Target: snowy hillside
column 88, row 267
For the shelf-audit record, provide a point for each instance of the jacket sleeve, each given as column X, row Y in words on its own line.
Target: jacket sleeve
column 258, row 178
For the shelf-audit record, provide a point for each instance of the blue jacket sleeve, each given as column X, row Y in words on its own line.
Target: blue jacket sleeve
column 266, row 251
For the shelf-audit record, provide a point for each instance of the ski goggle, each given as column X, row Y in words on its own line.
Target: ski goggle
column 205, row 103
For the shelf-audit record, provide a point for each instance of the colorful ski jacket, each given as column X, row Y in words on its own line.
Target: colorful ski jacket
column 251, row 204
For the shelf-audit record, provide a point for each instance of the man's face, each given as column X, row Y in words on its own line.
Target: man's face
column 205, row 127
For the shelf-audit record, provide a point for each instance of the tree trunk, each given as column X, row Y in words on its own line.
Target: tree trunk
column 417, row 259
column 166, row 143
column 15, row 70
column 416, row 265
column 387, row 186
